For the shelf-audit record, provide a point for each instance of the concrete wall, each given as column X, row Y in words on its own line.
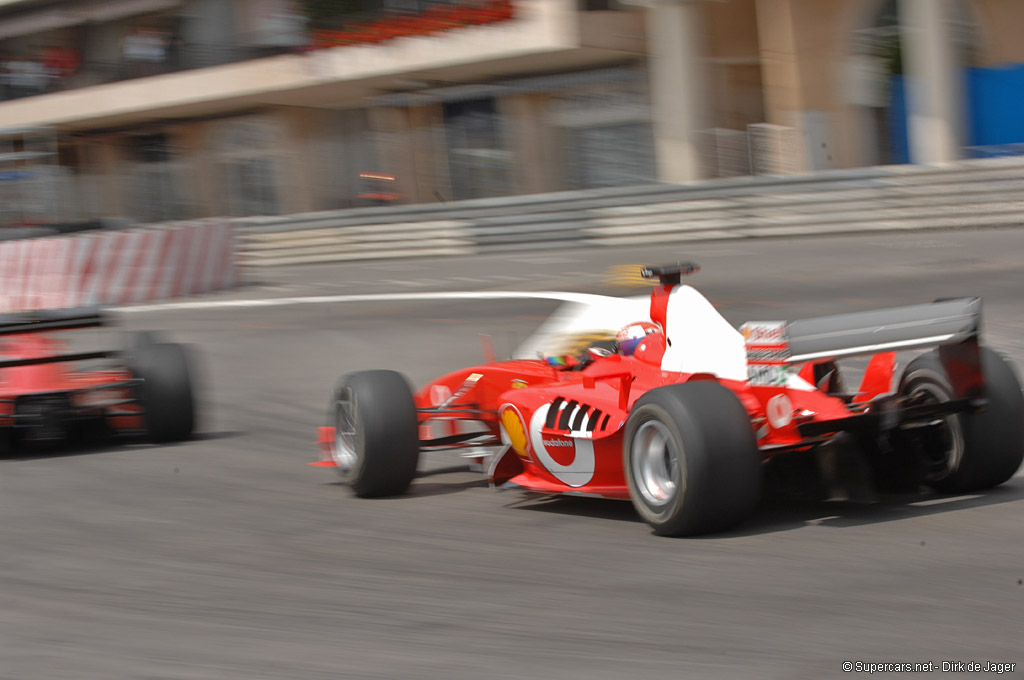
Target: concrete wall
column 734, row 64
column 1000, row 23
column 804, row 44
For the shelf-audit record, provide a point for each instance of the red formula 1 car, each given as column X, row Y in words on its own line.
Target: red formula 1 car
column 680, row 418
column 144, row 393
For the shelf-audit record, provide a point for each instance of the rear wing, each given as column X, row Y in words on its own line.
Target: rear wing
column 45, row 320
column 50, row 320
column 952, row 325
column 946, row 322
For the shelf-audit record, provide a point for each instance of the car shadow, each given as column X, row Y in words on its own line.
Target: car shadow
column 23, row 452
column 425, row 489
column 781, row 508
column 213, row 436
column 42, row 452
column 601, row 508
column 778, row 512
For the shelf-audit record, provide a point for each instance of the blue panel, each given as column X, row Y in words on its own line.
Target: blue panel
column 996, row 105
column 899, row 146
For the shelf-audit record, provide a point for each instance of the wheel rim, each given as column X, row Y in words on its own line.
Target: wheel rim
column 655, row 460
column 944, row 447
column 344, row 451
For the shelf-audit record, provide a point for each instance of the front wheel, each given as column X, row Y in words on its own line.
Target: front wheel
column 691, row 460
column 376, row 444
column 967, row 451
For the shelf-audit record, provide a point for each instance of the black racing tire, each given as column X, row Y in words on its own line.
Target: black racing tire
column 715, row 480
column 982, row 449
column 165, row 391
column 140, row 338
column 376, row 448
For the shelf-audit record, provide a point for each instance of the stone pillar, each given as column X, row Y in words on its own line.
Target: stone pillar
column 110, row 168
column 430, row 165
column 529, row 139
column 679, row 95
column 935, row 115
column 395, row 149
column 199, row 186
column 785, row 90
column 299, row 149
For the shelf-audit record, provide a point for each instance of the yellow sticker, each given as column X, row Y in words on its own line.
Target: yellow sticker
column 627, row 276
column 515, row 428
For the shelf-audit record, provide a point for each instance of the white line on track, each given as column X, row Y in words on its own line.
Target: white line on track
column 942, row 501
column 583, row 298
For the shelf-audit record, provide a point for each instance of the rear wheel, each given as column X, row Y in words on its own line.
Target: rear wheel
column 376, row 446
column 141, row 338
column 165, row 390
column 691, row 460
column 966, row 451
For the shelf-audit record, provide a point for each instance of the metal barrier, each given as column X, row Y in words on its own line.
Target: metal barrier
column 977, row 193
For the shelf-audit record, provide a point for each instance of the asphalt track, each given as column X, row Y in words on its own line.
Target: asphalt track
column 227, row 557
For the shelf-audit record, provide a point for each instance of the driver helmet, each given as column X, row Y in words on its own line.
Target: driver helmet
column 632, row 335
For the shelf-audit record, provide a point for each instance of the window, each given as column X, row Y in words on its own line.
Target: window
column 478, row 163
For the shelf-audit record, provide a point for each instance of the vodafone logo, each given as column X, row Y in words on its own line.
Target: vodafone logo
column 779, row 410
column 570, row 461
column 561, row 450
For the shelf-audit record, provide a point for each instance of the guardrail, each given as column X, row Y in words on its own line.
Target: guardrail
column 976, row 193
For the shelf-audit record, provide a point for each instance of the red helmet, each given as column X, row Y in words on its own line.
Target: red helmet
column 633, row 334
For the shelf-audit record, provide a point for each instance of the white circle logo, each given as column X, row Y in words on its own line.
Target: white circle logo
column 779, row 411
column 579, row 469
column 439, row 394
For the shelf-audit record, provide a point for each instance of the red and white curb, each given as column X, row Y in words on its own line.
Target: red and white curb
column 118, row 267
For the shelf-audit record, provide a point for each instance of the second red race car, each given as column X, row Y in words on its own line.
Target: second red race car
column 681, row 413
column 49, row 395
